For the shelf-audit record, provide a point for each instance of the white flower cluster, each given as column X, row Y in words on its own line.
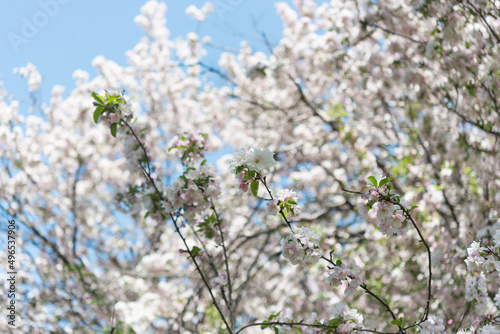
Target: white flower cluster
column 126, row 111
column 191, row 191
column 488, row 329
column 484, row 259
column 256, row 159
column 30, row 72
column 189, row 147
column 285, row 200
column 391, row 220
column 119, row 111
column 480, row 326
column 200, row 14
column 342, row 273
column 434, row 326
column 476, row 289
column 352, row 319
column 301, row 247
column 482, row 262
column 219, row 281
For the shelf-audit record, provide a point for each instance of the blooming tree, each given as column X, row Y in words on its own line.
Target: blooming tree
column 362, row 194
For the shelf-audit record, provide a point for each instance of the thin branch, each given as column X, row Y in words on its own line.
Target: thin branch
column 304, row 99
column 425, row 315
column 226, row 258
column 368, row 291
column 363, row 286
column 484, row 20
column 463, row 317
column 365, row 22
column 147, row 173
column 352, row 191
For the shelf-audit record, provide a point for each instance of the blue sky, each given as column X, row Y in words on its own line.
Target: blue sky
column 60, row 36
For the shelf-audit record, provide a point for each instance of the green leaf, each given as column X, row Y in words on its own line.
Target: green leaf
column 239, row 169
column 334, row 322
column 97, row 113
column 254, row 186
column 292, row 202
column 338, row 263
column 210, row 233
column 273, row 316
column 195, row 250
column 203, row 162
column 152, row 195
column 111, row 98
column 179, row 147
column 97, row 97
column 211, row 219
column 384, row 181
column 373, row 180
column 398, row 322
column 113, row 128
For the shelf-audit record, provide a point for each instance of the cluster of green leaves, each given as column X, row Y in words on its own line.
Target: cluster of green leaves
column 108, row 104
column 196, row 251
column 272, row 318
column 202, row 183
column 393, row 198
column 382, row 182
column 399, row 322
column 157, row 208
column 207, row 226
column 193, row 148
column 250, row 176
column 376, row 184
column 287, row 207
